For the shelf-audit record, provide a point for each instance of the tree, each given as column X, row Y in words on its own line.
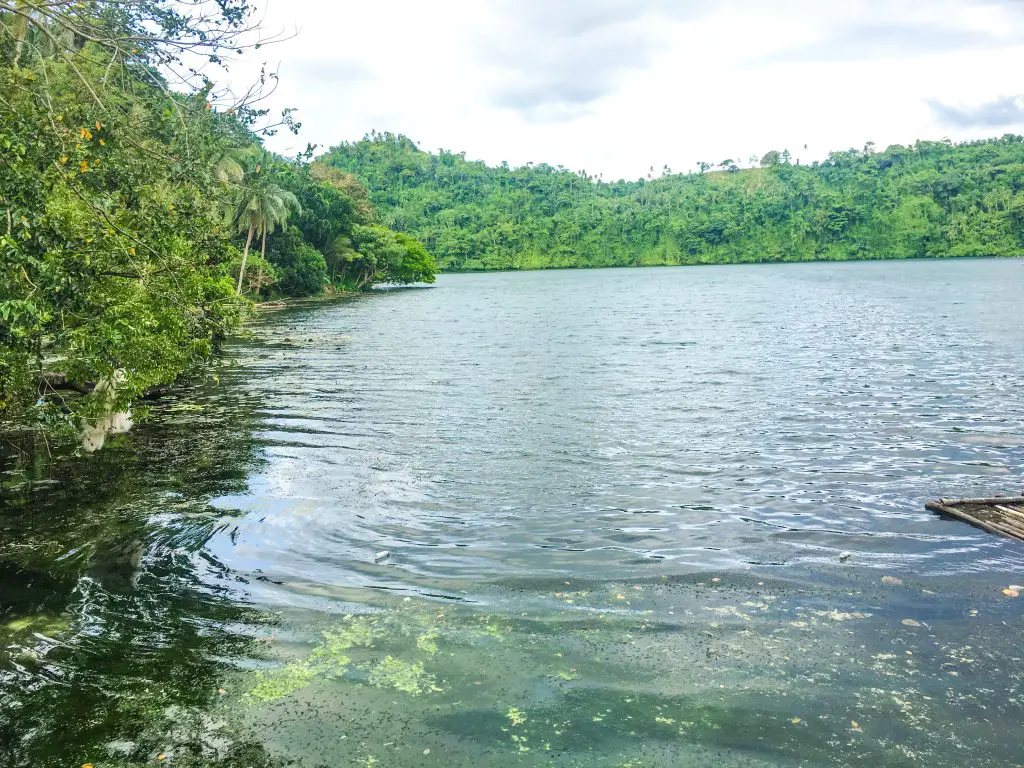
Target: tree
column 381, row 255
column 112, row 251
column 771, row 158
column 259, row 205
column 300, row 268
column 157, row 37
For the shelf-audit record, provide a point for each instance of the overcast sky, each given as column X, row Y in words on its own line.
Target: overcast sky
column 617, row 86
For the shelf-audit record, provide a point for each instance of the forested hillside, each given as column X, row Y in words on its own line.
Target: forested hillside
column 932, row 199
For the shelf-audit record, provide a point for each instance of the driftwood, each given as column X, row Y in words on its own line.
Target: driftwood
column 1003, row 515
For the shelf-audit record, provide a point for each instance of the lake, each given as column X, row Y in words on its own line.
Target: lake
column 648, row 517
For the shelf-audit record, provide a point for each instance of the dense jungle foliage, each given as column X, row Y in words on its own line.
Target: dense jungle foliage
column 139, row 213
column 932, row 199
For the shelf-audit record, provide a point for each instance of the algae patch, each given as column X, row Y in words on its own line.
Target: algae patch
column 333, row 658
column 330, row 659
column 402, row 676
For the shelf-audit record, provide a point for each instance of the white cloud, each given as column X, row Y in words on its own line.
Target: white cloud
column 617, row 86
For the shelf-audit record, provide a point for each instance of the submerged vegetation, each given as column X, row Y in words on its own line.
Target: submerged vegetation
column 932, row 199
column 133, row 199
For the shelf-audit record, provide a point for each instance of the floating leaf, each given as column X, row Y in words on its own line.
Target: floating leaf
column 911, row 623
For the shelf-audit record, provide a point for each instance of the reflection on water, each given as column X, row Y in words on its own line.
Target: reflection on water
column 651, row 517
column 116, row 626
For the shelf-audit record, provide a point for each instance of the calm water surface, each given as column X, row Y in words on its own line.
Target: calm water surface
column 631, row 517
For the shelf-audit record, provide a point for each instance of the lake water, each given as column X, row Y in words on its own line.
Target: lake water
column 653, row 517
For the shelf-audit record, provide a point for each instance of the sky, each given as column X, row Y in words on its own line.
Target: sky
column 615, row 87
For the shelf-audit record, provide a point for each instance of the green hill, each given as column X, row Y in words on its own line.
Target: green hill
column 932, row 199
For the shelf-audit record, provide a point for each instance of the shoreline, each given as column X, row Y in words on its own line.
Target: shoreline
column 765, row 262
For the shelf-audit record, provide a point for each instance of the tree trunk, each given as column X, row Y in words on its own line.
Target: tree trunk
column 259, row 272
column 20, row 30
column 245, row 258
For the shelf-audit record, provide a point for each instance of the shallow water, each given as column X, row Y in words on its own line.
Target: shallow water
column 632, row 517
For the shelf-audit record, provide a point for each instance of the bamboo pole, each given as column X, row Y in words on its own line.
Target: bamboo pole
column 940, row 506
column 1013, row 513
column 993, row 500
column 1016, row 527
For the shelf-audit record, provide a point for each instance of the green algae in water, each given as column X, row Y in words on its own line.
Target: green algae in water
column 403, row 676
column 278, row 683
column 615, row 688
column 44, row 625
column 403, row 632
column 515, row 716
column 427, row 642
column 332, row 659
column 328, row 660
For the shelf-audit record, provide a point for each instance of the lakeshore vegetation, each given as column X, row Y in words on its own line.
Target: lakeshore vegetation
column 139, row 212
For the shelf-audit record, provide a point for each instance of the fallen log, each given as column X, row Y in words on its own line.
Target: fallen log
column 52, row 381
column 60, row 381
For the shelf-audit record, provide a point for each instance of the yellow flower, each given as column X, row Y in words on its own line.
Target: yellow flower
column 84, row 166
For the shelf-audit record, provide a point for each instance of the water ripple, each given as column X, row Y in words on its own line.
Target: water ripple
column 605, row 423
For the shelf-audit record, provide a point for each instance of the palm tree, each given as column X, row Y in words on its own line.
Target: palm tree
column 229, row 165
column 259, row 205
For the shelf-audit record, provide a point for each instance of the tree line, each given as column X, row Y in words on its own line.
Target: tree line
column 139, row 211
column 931, row 199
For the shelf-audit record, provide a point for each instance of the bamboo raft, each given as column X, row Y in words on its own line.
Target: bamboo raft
column 1002, row 515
